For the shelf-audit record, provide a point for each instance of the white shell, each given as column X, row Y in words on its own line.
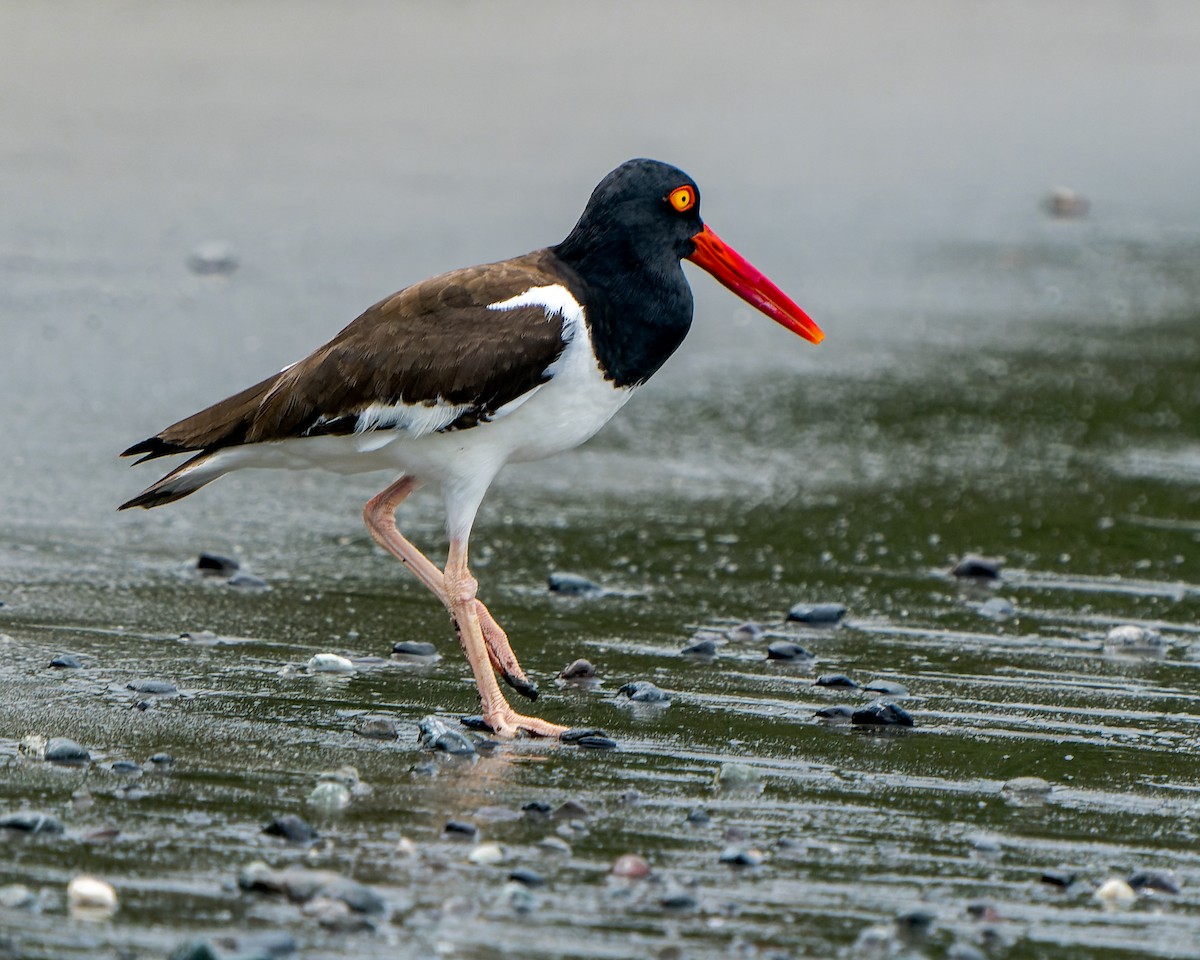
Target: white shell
column 330, row 663
column 1114, row 890
column 487, row 854
column 91, row 894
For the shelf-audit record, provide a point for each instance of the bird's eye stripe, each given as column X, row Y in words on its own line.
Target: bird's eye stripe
column 682, row 199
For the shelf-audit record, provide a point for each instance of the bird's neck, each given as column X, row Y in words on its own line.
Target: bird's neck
column 638, row 308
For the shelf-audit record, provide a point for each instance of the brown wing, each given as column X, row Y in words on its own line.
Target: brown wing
column 434, row 341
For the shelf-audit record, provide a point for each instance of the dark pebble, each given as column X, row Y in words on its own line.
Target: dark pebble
column 355, row 895
column 571, row 810
column 785, row 650
column 246, row 581
column 1157, row 880
column 572, row 585
column 292, row 828
column 162, row 760
column 435, row 734
column 578, row 670
column 457, row 830
column 575, row 734
column 527, row 878
column 125, row 767
column 537, row 809
column 65, row 661
column 1058, row 878
column 476, row 722
column 884, row 713
column 678, row 901
column 835, row 680
column 701, row 648
column 741, row 856
column 153, row 687
column 888, row 688
column 916, row 922
column 972, row 567
column 643, row 691
column 698, row 816
column 377, row 728
column 215, row 565
column 195, row 950
column 410, row 648
column 816, row 613
column 65, row 750
column 837, row 714
column 26, row 821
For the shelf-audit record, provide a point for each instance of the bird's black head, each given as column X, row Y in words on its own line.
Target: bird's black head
column 644, row 214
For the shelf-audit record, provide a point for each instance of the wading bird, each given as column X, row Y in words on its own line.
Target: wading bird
column 450, row 379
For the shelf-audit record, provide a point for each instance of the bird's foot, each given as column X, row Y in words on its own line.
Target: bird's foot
column 501, row 654
column 506, row 722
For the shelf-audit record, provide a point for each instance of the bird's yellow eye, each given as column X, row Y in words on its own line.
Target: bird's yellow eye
column 682, row 199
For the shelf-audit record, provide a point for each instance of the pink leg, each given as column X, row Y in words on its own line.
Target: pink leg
column 497, row 714
column 380, row 517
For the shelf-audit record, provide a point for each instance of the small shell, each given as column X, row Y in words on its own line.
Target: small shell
column 91, row 895
column 1115, row 892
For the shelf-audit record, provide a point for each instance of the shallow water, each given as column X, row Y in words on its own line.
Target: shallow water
column 993, row 382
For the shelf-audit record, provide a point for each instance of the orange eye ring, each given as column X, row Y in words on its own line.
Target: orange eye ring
column 682, row 199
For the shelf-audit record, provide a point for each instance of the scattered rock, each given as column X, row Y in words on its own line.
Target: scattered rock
column 835, row 680
column 1115, row 892
column 738, row 777
column 787, row 651
column 555, row 845
column 215, row 565
column 411, row 648
column 889, row 688
column 678, row 900
column 329, row 663
column 573, row 585
column 1155, row 881
column 630, row 866
column 1063, row 203
column 816, row 613
column 301, row 885
column 195, row 950
column 247, row 581
column 741, row 856
column 578, row 671
column 162, row 761
column 486, row 854
column 1132, row 639
column 1026, row 788
column 571, row 810
column 66, row 661
column 527, row 878
column 91, row 895
column 377, row 727
column 213, row 258
column 698, row 816
column 882, row 713
column 65, row 750
column 335, row 789
column 1058, row 878
column 17, row 896
column 292, row 828
column 28, row 821
column 835, row 714
column 705, row 647
column 202, row 638
column 745, row 633
column 126, row 767
column 996, row 608
column 975, row 567
column 643, row 691
column 434, row 734
column 537, row 810
column 458, row 830
column 158, row 688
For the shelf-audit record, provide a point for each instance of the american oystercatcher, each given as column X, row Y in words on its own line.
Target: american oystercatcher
column 450, row 379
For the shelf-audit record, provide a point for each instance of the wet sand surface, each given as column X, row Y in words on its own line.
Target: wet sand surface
column 995, row 381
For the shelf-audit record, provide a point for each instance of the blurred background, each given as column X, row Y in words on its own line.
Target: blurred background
column 992, row 211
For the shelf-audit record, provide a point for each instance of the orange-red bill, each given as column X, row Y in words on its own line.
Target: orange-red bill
column 748, row 282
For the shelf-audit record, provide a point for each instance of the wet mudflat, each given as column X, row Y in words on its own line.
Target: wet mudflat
column 1000, row 385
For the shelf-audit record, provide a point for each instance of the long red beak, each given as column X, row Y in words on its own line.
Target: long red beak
column 747, row 281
